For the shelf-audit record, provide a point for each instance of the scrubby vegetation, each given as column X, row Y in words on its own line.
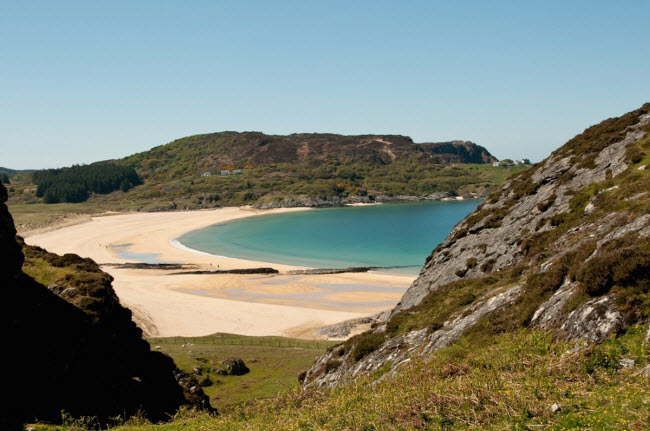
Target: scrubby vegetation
column 90, row 287
column 186, row 173
column 438, row 306
column 267, row 183
column 511, row 382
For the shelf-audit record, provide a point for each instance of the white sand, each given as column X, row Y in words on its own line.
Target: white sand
column 162, row 310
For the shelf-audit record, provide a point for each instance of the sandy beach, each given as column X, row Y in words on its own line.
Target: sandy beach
column 167, row 304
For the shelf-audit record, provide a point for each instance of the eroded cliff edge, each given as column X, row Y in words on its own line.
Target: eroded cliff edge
column 563, row 246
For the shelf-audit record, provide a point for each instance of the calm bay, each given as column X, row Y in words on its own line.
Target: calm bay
column 396, row 237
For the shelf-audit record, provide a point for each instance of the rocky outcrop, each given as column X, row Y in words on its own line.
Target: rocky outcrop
column 338, row 201
column 235, row 366
column 470, row 317
column 562, row 247
column 72, row 347
column 497, row 236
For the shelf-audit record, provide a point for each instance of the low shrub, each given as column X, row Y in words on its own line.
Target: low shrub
column 332, row 365
column 488, row 265
column 545, row 205
column 367, row 343
column 617, row 264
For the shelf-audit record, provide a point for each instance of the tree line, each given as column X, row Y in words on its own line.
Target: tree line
column 76, row 183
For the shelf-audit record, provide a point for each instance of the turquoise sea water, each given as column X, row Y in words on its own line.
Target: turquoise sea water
column 397, row 237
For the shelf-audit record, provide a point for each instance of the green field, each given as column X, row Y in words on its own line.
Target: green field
column 274, row 362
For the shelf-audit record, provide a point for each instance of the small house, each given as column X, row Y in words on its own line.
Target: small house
column 237, row 172
column 206, row 174
column 225, row 172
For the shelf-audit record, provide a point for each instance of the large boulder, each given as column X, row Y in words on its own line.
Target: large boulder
column 235, row 366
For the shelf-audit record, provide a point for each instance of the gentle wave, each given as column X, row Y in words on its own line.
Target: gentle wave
column 174, row 242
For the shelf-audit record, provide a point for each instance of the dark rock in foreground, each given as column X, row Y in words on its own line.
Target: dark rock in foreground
column 74, row 348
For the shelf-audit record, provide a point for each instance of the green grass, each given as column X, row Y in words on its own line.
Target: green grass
column 44, row 273
column 509, row 383
column 36, row 215
column 275, row 363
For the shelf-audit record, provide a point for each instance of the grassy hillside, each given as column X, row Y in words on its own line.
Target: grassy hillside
column 186, row 173
column 562, row 247
column 258, row 185
column 230, row 150
column 509, row 381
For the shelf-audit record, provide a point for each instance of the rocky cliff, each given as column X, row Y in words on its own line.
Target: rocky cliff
column 73, row 347
column 563, row 246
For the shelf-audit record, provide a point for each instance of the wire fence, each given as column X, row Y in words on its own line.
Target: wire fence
column 230, row 341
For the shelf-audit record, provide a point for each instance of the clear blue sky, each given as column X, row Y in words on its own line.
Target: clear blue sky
column 86, row 81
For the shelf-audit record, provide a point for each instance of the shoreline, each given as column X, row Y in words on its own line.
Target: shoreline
column 244, row 304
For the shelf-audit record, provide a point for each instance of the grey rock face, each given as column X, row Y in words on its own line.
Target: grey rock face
column 594, row 321
column 627, row 363
column 502, row 243
column 492, row 239
column 453, row 330
column 398, row 350
column 343, row 330
column 550, row 313
column 55, row 289
column 338, row 201
column 555, row 408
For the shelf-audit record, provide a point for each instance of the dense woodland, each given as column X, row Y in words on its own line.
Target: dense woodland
column 76, row 183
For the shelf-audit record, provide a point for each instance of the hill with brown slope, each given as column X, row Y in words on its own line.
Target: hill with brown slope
column 563, row 246
column 312, row 170
column 215, row 151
